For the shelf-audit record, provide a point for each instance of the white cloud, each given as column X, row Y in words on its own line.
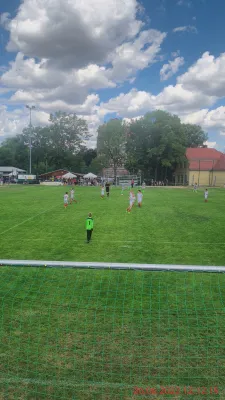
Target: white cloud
column 206, row 75
column 215, row 118
column 93, row 122
column 176, row 99
column 211, row 144
column 49, row 82
column 208, row 119
column 129, row 104
column 72, row 33
column 13, row 122
column 196, row 117
column 87, row 107
column 39, row 83
column 188, row 28
column 67, row 48
column 129, row 120
column 130, row 57
column 171, row 68
column 4, row 20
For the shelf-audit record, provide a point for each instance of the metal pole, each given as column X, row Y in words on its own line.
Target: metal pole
column 30, row 141
column 30, row 145
column 114, row 266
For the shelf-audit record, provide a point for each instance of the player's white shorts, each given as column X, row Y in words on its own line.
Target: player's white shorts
column 65, row 202
column 72, row 197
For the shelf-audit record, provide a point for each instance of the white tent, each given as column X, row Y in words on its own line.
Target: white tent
column 69, row 175
column 90, row 176
column 13, row 173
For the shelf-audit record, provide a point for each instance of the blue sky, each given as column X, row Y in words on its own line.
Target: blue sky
column 115, row 58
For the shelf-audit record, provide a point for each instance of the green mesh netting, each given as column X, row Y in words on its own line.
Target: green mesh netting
column 93, row 334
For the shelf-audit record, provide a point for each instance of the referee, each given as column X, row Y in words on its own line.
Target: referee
column 107, row 186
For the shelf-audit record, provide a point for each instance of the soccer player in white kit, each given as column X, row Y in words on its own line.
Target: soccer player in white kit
column 139, row 198
column 66, row 200
column 102, row 192
column 206, row 195
column 71, row 195
column 131, row 201
column 195, row 188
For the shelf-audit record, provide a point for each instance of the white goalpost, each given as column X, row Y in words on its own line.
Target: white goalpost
column 115, row 266
column 125, row 180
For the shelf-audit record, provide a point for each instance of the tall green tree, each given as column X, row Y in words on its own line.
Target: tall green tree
column 13, row 152
column 54, row 146
column 157, row 142
column 111, row 143
column 89, row 155
column 194, row 134
column 67, row 133
column 98, row 164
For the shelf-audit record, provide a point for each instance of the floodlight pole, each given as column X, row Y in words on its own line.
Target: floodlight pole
column 30, row 109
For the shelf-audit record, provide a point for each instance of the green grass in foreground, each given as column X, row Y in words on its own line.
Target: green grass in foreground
column 174, row 226
column 91, row 334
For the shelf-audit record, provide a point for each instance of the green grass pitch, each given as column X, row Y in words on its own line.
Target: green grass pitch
column 108, row 335
column 174, row 226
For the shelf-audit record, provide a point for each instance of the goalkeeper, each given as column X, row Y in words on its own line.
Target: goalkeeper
column 89, row 226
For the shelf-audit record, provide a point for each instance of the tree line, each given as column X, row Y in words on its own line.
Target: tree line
column 152, row 145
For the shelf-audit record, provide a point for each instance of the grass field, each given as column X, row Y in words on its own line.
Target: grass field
column 91, row 334
column 94, row 334
column 174, row 226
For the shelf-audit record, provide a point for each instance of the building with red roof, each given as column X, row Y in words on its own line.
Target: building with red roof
column 57, row 174
column 203, row 166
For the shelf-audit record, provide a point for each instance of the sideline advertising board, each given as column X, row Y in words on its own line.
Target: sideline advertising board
column 26, row 177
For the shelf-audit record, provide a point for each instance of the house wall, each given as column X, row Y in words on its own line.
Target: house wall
column 202, row 178
column 181, row 176
column 109, row 172
column 217, row 178
column 207, row 178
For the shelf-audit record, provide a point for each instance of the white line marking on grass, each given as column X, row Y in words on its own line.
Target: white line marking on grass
column 26, row 220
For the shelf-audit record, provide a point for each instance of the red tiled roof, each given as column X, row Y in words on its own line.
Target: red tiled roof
column 201, row 164
column 205, row 159
column 202, row 153
column 220, row 164
column 55, row 172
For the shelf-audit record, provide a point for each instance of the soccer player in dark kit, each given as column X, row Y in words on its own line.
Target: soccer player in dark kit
column 107, row 187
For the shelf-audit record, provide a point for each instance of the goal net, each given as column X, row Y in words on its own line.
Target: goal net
column 111, row 334
column 125, row 181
